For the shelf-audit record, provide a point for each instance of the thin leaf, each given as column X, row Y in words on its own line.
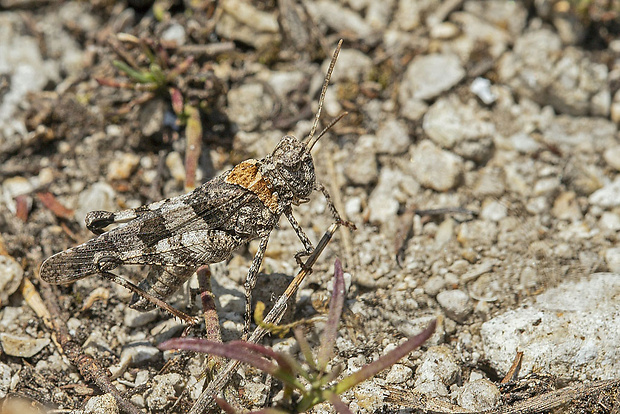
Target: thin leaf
column 229, row 350
column 385, row 361
column 328, row 339
column 136, row 75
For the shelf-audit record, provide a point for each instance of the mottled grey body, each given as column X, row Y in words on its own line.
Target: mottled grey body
column 177, row 235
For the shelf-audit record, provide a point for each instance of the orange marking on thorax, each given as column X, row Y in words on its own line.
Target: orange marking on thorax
column 247, row 175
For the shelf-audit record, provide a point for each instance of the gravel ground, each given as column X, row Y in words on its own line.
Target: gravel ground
column 480, row 161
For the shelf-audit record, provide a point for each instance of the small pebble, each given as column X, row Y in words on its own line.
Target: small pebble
column 99, row 196
column 481, row 87
column 175, row 33
column 427, row 76
column 22, row 346
column 612, row 157
column 164, row 391
column 612, row 258
column 175, row 164
column 122, row 166
column 493, row 211
column 608, row 196
column 11, row 275
column 393, row 137
column 438, row 364
column 398, row 374
column 479, row 395
column 134, row 318
column 435, row 168
column 456, row 304
column 5, row 380
column 139, row 352
column 101, row 404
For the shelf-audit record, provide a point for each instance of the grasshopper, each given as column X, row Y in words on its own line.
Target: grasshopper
column 177, row 235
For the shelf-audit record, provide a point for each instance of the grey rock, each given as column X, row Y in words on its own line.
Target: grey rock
column 438, row 365
column 22, row 63
column 490, row 182
column 382, row 202
column 139, row 352
column 456, row 304
column 285, row 82
column 164, row 390
column 175, row 33
column 99, row 196
column 493, row 211
column 243, row 22
column 570, row 331
column 610, row 221
column 477, row 233
column 393, row 137
column 398, row 374
column 566, row 207
column 428, row 76
column 612, row 157
column 462, row 128
column 435, row 168
column 355, row 66
column 11, row 275
column 612, row 258
column 248, row 105
column 134, row 318
column 5, row 380
column 523, row 143
column 166, row 329
column 362, row 167
column 608, row 196
column 22, row 346
column 479, row 395
column 539, row 69
column 409, row 14
column 379, row 13
column 481, row 87
column 476, row 32
column 152, row 117
column 102, row 404
column 511, row 16
column 434, row 285
column 340, row 18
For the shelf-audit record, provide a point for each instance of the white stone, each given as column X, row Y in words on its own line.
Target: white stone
column 435, row 168
column 570, row 331
column 101, row 404
column 612, row 258
column 427, row 76
column 608, row 196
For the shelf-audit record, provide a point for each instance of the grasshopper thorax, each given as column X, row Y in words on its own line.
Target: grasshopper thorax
column 291, row 170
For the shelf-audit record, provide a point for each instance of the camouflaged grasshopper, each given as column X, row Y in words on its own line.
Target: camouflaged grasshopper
column 177, row 235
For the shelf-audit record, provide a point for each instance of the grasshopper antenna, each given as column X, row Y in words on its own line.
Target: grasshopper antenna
column 311, row 139
column 327, row 128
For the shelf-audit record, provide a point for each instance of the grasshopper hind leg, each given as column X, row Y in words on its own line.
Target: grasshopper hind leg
column 190, row 320
column 161, row 282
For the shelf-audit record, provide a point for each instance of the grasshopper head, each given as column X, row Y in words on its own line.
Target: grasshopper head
column 294, row 165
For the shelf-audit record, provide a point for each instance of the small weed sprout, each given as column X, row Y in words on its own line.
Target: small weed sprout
column 304, row 387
